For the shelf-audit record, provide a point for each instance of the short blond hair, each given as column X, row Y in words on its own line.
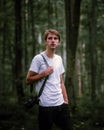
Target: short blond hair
column 52, row 31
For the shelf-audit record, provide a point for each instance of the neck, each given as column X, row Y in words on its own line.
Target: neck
column 50, row 53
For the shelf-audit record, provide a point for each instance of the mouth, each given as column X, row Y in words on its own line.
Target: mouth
column 53, row 44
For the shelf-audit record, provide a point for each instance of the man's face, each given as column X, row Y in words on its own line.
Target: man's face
column 52, row 41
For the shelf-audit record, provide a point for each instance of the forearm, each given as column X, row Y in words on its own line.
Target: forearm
column 63, row 90
column 31, row 78
column 64, row 93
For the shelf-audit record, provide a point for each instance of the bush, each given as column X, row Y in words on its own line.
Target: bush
column 90, row 113
column 15, row 117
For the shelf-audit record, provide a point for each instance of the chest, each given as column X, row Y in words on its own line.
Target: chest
column 54, row 62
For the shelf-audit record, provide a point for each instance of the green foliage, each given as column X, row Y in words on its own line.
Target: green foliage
column 89, row 113
column 15, row 116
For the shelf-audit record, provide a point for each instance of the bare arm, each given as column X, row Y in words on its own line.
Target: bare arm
column 33, row 76
column 64, row 90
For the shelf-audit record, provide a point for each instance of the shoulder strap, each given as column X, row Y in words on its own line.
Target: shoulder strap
column 42, row 87
column 45, row 60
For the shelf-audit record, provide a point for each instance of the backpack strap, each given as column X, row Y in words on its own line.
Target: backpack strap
column 42, row 87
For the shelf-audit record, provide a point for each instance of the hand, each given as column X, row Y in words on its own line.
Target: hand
column 66, row 101
column 48, row 71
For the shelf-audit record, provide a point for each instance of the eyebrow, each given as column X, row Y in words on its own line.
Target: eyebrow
column 55, row 37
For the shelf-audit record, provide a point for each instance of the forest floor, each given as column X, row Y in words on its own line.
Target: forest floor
column 16, row 117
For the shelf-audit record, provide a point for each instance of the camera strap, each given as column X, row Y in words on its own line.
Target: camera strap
column 42, row 87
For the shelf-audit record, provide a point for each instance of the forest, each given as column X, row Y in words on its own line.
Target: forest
column 80, row 23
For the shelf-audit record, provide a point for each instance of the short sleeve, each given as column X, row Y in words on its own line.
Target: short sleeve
column 35, row 64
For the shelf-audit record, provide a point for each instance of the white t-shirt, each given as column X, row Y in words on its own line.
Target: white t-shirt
column 52, row 93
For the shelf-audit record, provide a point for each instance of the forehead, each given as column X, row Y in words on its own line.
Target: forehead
column 52, row 35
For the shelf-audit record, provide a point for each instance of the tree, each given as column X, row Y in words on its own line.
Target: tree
column 72, row 11
column 92, row 46
column 3, row 46
column 18, row 51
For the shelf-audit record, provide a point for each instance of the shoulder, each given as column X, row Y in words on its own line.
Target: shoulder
column 37, row 58
column 58, row 57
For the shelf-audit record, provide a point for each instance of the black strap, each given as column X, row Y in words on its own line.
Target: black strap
column 45, row 60
column 42, row 87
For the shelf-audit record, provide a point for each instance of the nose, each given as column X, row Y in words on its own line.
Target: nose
column 53, row 39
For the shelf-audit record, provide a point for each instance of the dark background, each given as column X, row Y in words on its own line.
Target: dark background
column 81, row 25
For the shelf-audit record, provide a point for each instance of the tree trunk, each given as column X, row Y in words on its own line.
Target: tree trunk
column 50, row 10
column 72, row 26
column 18, row 52
column 32, row 22
column 25, row 35
column 92, row 47
column 2, row 82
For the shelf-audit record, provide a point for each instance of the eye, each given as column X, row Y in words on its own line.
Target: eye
column 49, row 38
column 55, row 38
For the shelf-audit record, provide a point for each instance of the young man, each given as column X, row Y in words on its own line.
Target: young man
column 53, row 104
